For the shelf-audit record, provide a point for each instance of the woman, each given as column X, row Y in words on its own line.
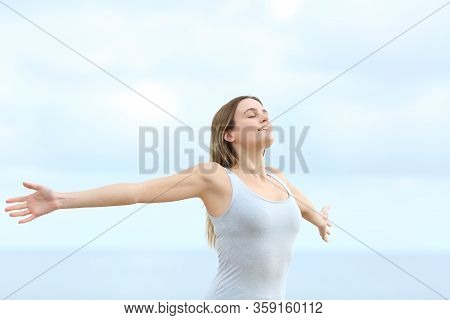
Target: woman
column 253, row 213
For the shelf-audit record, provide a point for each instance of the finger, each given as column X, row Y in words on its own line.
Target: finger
column 33, row 186
column 27, row 219
column 329, row 224
column 17, row 199
column 20, row 213
column 16, row 207
column 328, row 232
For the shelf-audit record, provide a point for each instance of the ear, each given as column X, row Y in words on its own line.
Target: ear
column 228, row 136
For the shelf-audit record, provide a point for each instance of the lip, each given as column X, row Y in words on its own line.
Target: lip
column 269, row 127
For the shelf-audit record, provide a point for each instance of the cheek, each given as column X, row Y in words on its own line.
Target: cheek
column 247, row 130
column 249, row 135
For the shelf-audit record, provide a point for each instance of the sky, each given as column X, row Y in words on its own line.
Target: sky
column 78, row 80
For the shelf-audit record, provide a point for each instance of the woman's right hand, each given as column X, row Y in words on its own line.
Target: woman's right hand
column 37, row 204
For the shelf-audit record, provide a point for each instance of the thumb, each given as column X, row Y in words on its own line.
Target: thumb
column 31, row 185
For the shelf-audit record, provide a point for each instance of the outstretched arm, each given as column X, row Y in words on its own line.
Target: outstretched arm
column 188, row 183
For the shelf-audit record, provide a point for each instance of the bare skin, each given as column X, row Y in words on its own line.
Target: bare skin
column 207, row 181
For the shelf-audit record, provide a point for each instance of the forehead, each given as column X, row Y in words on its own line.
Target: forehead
column 248, row 103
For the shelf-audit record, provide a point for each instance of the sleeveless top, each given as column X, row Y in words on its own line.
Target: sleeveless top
column 254, row 243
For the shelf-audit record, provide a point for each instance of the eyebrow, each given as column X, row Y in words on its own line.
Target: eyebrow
column 254, row 109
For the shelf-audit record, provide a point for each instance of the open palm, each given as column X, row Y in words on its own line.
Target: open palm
column 41, row 202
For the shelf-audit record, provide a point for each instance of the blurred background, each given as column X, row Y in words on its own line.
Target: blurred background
column 376, row 149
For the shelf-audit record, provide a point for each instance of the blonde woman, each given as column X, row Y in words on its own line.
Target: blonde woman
column 253, row 212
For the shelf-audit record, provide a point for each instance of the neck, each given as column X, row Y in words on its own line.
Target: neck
column 251, row 162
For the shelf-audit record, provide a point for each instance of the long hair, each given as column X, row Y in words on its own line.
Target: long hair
column 222, row 151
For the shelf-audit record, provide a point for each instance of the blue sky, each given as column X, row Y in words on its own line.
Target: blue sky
column 377, row 147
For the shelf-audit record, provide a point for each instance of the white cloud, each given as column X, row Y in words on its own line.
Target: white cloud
column 408, row 135
column 8, row 81
column 128, row 106
column 283, row 9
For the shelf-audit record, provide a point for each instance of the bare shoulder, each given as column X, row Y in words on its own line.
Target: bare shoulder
column 213, row 175
column 203, row 175
column 217, row 192
column 210, row 170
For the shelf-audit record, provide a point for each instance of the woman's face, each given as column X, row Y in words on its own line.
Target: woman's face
column 249, row 118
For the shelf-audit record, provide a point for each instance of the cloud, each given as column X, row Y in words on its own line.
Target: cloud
column 283, row 9
column 188, row 60
column 409, row 136
column 127, row 106
column 7, row 82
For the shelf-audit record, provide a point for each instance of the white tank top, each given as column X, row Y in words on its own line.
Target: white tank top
column 254, row 243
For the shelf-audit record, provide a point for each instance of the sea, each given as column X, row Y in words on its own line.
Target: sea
column 186, row 275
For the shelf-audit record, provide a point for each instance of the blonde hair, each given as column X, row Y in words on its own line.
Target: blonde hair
column 222, row 151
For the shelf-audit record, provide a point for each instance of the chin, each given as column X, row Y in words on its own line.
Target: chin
column 268, row 142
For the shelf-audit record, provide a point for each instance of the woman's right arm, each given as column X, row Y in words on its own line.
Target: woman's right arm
column 189, row 183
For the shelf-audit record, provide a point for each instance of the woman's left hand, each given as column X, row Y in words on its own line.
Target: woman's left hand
column 324, row 226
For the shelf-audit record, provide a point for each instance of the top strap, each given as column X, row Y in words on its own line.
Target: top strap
column 273, row 175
